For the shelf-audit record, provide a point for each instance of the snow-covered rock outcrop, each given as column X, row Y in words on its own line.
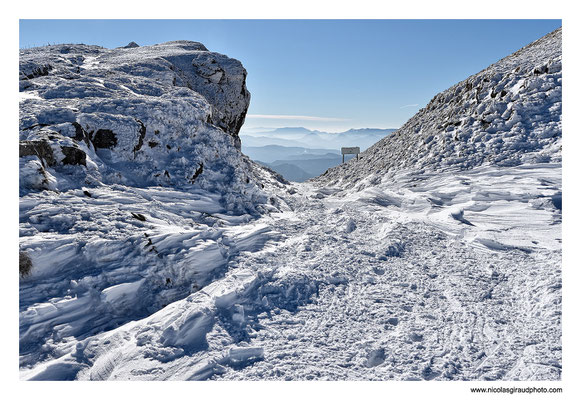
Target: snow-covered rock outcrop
column 133, row 189
column 505, row 115
column 166, row 114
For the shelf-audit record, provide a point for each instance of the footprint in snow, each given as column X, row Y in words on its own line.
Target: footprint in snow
column 375, row 358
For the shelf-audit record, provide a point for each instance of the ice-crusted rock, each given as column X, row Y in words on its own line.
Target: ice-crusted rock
column 133, row 190
column 505, row 115
column 131, row 71
column 167, row 114
column 130, row 45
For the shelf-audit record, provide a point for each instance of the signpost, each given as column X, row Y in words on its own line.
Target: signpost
column 350, row 150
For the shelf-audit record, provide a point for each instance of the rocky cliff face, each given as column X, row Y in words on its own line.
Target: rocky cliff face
column 505, row 115
column 166, row 114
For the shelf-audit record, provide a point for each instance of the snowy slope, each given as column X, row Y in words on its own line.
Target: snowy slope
column 388, row 283
column 507, row 114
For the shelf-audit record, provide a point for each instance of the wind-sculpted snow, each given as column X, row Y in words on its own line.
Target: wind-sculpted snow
column 104, row 256
column 507, row 114
column 386, row 283
column 133, row 190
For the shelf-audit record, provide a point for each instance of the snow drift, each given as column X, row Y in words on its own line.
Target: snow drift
column 133, row 189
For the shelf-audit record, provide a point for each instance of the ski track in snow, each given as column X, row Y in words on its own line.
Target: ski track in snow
column 447, row 276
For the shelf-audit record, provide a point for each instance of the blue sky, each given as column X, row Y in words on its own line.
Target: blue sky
column 324, row 74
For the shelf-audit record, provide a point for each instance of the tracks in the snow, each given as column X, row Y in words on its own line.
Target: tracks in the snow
column 362, row 285
column 437, row 308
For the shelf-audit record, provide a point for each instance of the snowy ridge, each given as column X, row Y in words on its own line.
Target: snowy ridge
column 507, row 114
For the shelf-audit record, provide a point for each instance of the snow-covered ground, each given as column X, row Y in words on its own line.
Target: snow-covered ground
column 118, row 254
column 444, row 276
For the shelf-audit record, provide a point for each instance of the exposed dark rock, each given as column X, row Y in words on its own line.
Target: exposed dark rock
column 542, row 70
column 33, row 126
column 24, row 264
column 197, row 173
column 74, row 156
column 39, row 148
column 138, row 216
column 104, row 139
column 142, row 132
column 80, row 133
column 41, row 70
column 130, row 45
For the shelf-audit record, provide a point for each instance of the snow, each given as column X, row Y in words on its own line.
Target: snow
column 409, row 264
column 116, row 294
column 341, row 286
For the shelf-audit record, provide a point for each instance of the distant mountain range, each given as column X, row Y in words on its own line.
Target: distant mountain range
column 299, row 154
column 272, row 153
column 313, row 139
